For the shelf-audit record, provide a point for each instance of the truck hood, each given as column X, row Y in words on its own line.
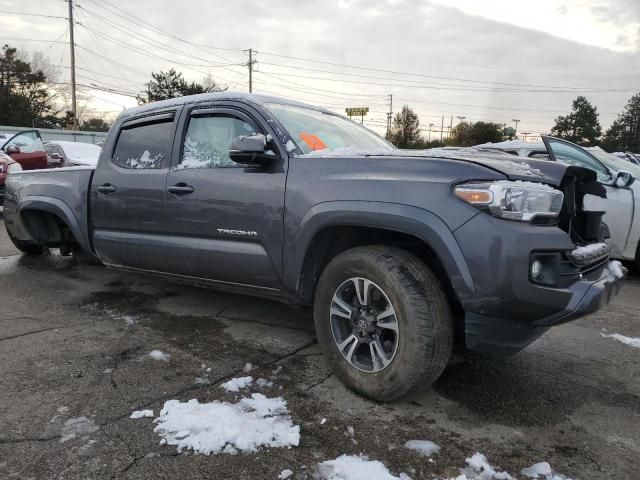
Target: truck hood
column 511, row 166
column 514, row 168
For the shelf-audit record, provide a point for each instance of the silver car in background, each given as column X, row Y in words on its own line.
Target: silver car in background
column 71, row 154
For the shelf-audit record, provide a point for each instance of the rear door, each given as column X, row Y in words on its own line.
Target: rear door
column 30, row 150
column 128, row 193
column 618, row 205
column 225, row 219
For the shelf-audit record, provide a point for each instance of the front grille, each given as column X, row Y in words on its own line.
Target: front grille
column 569, row 272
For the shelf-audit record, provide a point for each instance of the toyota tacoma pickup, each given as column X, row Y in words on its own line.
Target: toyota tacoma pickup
column 403, row 256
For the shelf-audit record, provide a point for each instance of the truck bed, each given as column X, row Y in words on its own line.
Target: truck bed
column 63, row 191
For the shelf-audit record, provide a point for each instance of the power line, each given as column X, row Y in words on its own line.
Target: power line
column 419, row 74
column 33, row 15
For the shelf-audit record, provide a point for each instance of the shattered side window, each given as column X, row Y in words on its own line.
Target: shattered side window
column 147, row 146
column 206, row 144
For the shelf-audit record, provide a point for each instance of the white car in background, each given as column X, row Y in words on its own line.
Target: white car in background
column 628, row 156
column 622, row 205
column 71, row 154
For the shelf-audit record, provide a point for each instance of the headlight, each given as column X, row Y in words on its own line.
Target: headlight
column 521, row 201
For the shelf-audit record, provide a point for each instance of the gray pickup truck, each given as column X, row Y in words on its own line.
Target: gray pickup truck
column 402, row 255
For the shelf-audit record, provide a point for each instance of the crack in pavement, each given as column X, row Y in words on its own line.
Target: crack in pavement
column 319, row 382
column 4, row 441
column 33, row 332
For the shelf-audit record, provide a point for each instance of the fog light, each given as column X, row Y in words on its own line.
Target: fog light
column 536, row 269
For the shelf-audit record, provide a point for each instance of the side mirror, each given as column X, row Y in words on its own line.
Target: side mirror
column 55, row 156
column 251, row 150
column 13, row 150
column 624, row 179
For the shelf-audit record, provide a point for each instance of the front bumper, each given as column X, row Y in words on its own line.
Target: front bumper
column 508, row 311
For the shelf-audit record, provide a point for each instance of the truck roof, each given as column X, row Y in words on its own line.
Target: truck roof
column 254, row 98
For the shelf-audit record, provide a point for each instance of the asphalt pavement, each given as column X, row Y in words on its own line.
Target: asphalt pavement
column 74, row 343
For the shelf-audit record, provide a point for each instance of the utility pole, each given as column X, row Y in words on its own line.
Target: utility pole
column 73, row 67
column 515, row 132
column 450, row 127
column 250, row 65
column 430, row 125
column 441, row 128
column 390, row 115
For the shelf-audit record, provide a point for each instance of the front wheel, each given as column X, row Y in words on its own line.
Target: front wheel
column 383, row 321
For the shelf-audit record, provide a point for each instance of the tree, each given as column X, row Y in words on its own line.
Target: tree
column 95, row 124
column 405, row 131
column 25, row 99
column 624, row 133
column 468, row 134
column 581, row 125
column 165, row 85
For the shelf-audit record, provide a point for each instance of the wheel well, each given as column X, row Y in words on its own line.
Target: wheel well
column 331, row 241
column 46, row 228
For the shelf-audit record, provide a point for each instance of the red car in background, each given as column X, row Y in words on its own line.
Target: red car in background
column 25, row 148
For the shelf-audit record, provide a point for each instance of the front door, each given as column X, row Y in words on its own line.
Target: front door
column 128, row 190
column 225, row 219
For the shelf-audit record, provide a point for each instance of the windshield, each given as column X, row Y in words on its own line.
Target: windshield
column 326, row 133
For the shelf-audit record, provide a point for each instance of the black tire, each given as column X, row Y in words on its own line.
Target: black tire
column 424, row 322
column 26, row 247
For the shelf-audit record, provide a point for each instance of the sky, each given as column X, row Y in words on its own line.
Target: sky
column 489, row 60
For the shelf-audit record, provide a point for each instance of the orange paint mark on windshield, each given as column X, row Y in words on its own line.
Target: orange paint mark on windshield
column 313, row 141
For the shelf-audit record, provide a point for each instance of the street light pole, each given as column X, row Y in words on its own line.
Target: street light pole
column 430, row 125
column 516, row 120
column 461, row 118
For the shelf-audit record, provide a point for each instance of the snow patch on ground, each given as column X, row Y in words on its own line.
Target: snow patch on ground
column 264, row 383
column 351, row 467
column 221, row 427
column 142, row 414
column 235, row 384
column 284, row 474
column 425, row 448
column 480, row 469
column 129, row 320
column 631, row 341
column 158, row 355
column 537, row 470
column 247, row 368
column 75, row 427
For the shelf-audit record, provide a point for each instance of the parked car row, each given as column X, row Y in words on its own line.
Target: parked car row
column 26, row 151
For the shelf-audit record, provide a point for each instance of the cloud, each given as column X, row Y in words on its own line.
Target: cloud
column 417, row 36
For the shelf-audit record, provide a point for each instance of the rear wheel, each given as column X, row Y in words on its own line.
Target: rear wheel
column 383, row 321
column 30, row 248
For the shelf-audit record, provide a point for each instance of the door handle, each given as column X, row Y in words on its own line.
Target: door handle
column 180, row 189
column 106, row 188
